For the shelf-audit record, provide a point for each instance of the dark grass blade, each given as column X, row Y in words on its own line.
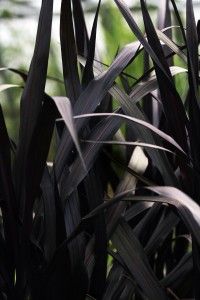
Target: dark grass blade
column 196, row 267
column 36, row 161
column 39, row 148
column 128, row 290
column 38, row 227
column 69, row 54
column 66, row 270
column 112, row 217
column 99, row 87
column 187, row 208
column 193, row 101
column 63, row 275
column 76, row 247
column 161, row 232
column 170, row 98
column 93, row 186
column 113, row 281
column 105, row 129
column 82, row 40
column 134, row 27
column 59, row 281
column 147, row 86
column 8, row 201
column 179, row 273
column 66, row 193
column 32, row 97
column 143, row 230
column 132, row 110
column 108, row 204
column 65, row 109
column 6, row 271
column 140, row 132
column 92, row 96
column 64, row 146
column 155, row 51
column 88, row 70
column 147, row 99
column 198, row 31
column 192, row 44
column 128, row 144
column 60, row 218
column 35, row 164
column 49, row 215
column 172, row 47
column 133, row 255
column 160, row 133
column 177, row 14
column 72, row 219
column 136, row 209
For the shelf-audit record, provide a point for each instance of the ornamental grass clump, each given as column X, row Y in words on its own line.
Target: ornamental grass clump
column 115, row 214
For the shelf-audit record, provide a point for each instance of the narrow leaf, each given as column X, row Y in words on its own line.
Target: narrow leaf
column 64, row 106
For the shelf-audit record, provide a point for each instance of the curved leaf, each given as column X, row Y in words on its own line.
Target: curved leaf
column 64, row 107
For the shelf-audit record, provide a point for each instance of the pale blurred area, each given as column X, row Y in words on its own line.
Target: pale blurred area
column 18, row 24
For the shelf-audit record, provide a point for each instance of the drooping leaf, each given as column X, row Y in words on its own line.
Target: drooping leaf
column 64, row 107
column 149, row 85
column 186, row 207
column 132, row 110
column 105, row 129
column 168, row 138
column 92, row 96
column 128, row 144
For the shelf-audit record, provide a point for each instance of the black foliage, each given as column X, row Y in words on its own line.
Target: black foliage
column 99, row 222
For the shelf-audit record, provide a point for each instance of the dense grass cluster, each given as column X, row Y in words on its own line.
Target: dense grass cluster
column 116, row 214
